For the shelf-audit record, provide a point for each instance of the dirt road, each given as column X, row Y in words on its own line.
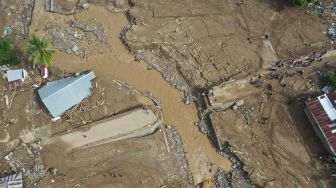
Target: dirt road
column 115, row 61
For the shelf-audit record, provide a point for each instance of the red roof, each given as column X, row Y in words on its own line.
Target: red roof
column 322, row 119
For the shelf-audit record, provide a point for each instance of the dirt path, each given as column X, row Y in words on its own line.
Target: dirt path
column 120, row 64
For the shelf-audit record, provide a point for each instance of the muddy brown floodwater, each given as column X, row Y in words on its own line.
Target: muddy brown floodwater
column 118, row 63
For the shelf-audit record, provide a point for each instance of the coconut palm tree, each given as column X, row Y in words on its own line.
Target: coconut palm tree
column 38, row 51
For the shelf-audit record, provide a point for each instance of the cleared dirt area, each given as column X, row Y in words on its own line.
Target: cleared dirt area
column 143, row 162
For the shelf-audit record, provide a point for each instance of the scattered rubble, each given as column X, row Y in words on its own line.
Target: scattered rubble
column 90, row 25
column 65, row 6
column 175, row 146
column 18, row 18
column 61, row 42
column 302, row 61
column 75, row 33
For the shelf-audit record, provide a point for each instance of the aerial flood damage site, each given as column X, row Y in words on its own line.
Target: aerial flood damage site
column 167, row 93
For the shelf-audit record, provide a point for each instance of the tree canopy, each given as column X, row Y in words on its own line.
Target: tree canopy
column 7, row 52
column 38, row 50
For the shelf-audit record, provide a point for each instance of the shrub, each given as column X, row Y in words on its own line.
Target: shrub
column 304, row 2
column 7, row 52
column 330, row 79
column 300, row 2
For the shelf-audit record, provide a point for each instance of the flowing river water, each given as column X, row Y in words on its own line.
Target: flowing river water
column 119, row 64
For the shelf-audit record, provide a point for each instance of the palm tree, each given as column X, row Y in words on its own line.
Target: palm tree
column 38, row 51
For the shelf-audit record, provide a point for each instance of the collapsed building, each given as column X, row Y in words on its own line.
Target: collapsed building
column 12, row 181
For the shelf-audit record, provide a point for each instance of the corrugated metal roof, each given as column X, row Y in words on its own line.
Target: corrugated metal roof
column 13, row 75
column 60, row 95
column 322, row 118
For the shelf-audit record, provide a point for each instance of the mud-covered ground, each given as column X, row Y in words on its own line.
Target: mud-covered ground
column 194, row 45
column 270, row 133
column 198, row 43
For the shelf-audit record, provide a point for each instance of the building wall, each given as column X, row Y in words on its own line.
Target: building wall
column 318, row 131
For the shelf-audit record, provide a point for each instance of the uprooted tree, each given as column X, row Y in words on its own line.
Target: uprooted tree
column 38, row 51
column 7, row 52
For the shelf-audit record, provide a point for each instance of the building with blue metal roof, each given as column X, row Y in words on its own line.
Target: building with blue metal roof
column 60, row 95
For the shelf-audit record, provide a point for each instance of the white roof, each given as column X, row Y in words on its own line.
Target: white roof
column 18, row 74
column 328, row 106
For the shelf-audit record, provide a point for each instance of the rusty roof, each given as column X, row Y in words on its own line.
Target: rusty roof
column 322, row 119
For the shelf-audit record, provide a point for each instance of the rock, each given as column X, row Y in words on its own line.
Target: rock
column 239, row 103
column 234, row 107
column 75, row 49
column 7, row 31
column 117, row 6
column 85, row 5
column 63, row 6
column 52, row 170
column 78, row 35
column 187, row 99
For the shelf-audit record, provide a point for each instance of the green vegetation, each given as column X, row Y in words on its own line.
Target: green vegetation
column 330, row 79
column 38, row 51
column 304, row 2
column 7, row 52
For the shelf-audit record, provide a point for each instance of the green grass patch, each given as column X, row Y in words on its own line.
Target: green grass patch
column 330, row 79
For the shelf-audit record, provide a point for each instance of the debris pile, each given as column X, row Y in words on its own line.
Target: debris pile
column 61, row 42
column 76, row 38
column 302, row 61
column 91, row 26
column 331, row 32
column 237, row 177
column 327, row 14
column 330, row 164
column 175, row 146
column 18, row 16
column 26, row 158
